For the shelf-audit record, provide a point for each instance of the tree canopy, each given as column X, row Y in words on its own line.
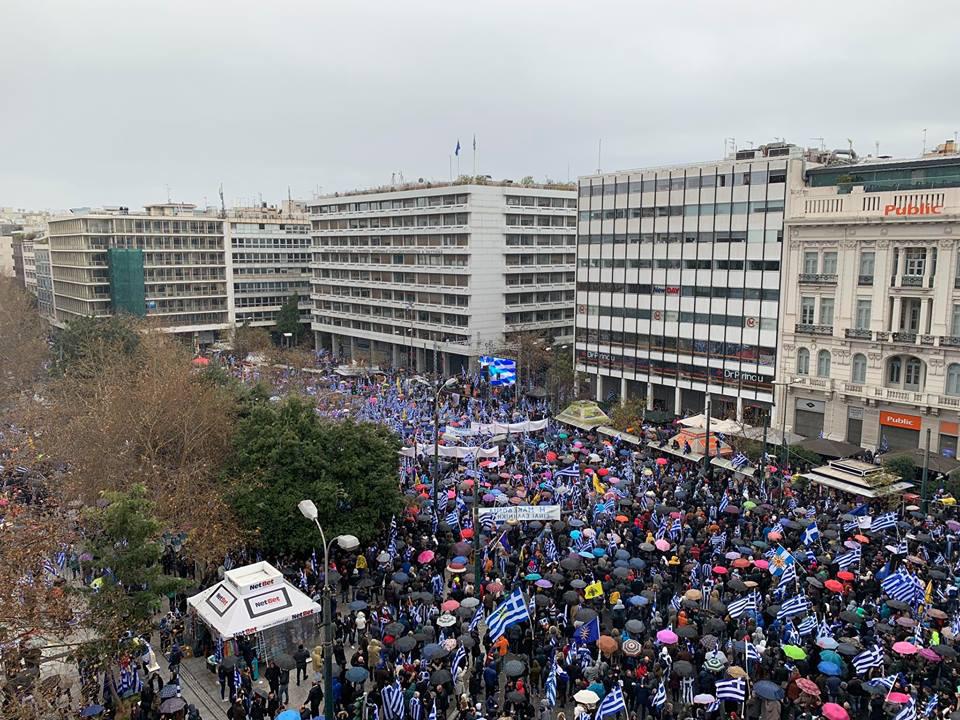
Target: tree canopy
column 288, row 318
column 284, row 453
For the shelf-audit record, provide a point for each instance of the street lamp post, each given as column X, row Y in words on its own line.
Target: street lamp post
column 346, row 542
column 436, row 442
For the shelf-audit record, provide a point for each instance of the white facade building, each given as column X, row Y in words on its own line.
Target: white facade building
column 403, row 274
column 870, row 349
column 678, row 282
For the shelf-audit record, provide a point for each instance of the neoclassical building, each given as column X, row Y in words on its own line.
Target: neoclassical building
column 870, row 297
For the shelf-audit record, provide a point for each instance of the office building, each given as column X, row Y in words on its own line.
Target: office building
column 678, row 282
column 175, row 265
column 870, row 336
column 404, row 273
column 44, row 277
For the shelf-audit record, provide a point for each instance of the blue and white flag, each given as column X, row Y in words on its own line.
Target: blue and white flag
column 660, row 697
column 551, row 690
column 789, row 576
column 739, row 461
column 739, row 606
column 458, row 658
column 807, row 625
column 611, row 704
column 511, row 611
column 798, row 605
column 811, row 534
column 909, row 711
column 867, row 660
column 477, row 618
column 883, row 522
column 734, row 690
column 392, row 696
column 780, row 559
column 849, row 559
column 886, row 683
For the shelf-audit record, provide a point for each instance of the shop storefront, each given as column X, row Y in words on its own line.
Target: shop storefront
column 808, row 417
column 948, row 438
column 901, row 431
column 854, row 425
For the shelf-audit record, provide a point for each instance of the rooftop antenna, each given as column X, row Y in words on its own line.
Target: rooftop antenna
column 876, row 147
column 750, row 143
column 924, row 141
column 168, row 187
column 599, row 150
column 850, row 145
column 823, row 145
column 223, row 206
column 729, row 146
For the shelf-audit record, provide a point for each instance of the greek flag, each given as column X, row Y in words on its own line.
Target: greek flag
column 739, row 606
column 902, row 548
column 512, row 610
column 676, row 600
column 739, row 460
column 552, row 685
column 909, row 711
column 458, row 658
column 611, row 704
column 807, row 625
column 661, row 529
column 811, row 534
column 868, row 659
column 778, row 528
column 734, row 689
column 885, row 521
column 237, row 680
column 416, row 708
column 719, row 541
column 676, row 528
column 791, row 635
column 571, row 471
column 442, row 501
column 436, row 583
column 886, row 683
column 550, row 549
column 392, row 696
column 823, row 630
column 660, row 698
column 931, row 705
column 903, row 587
column 392, row 545
column 849, row 559
column 789, row 576
column 751, row 651
column 453, row 518
column 477, row 618
column 218, row 651
column 797, row 605
column 724, row 501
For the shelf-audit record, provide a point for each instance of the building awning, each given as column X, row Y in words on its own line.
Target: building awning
column 583, row 414
column 722, row 462
column 859, row 490
column 614, row 433
column 832, row 448
column 692, row 456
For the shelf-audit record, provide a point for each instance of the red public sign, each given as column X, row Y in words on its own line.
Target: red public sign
column 922, row 209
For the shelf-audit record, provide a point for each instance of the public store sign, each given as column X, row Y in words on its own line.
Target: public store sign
column 892, row 419
column 921, row 209
column 521, row 513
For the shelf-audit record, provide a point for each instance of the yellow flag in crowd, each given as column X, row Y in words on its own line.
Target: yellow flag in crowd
column 593, row 590
column 597, row 485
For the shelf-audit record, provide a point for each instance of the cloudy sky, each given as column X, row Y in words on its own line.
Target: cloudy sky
column 114, row 101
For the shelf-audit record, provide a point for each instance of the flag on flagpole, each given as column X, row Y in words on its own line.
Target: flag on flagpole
column 457, row 151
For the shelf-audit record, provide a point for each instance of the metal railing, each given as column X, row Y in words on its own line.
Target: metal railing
column 819, row 278
column 810, row 329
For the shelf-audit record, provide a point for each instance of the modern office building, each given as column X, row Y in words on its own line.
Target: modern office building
column 406, row 273
column 174, row 264
column 678, row 282
column 870, row 335
column 44, row 277
column 270, row 260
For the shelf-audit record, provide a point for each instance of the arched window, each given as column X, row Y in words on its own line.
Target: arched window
column 912, row 374
column 953, row 379
column 803, row 361
column 906, row 371
column 858, row 372
column 823, row 364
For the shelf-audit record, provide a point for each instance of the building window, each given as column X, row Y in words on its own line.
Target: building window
column 894, row 366
column 826, row 311
column 912, row 375
column 807, row 310
column 803, row 361
column 823, row 364
column 830, row 263
column 915, row 261
column 810, row 263
column 953, row 379
column 858, row 373
column 862, row 320
column 955, row 321
column 866, row 264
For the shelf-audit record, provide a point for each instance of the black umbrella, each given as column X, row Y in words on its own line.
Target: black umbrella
column 570, row 597
column 467, row 641
column 634, row 626
column 406, row 643
column 683, row 668
column 687, row 631
column 284, row 661
column 571, row 562
column 851, row 617
column 768, row 690
column 585, row 615
column 897, row 604
column 516, row 697
column 168, row 691
column 847, row 649
column 814, row 582
column 394, row 629
column 172, row 705
column 357, row 675
column 439, row 677
column 514, row 668
column 229, row 663
column 401, row 578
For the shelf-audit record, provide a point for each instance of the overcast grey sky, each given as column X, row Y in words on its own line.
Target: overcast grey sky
column 110, row 101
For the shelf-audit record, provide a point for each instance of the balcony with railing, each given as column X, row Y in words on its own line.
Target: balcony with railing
column 905, row 337
column 857, row 334
column 819, row 278
column 865, row 280
column 811, row 329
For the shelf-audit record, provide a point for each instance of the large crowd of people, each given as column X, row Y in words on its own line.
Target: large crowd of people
column 666, row 588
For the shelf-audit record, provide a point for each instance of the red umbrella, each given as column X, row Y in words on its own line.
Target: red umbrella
column 466, row 533
column 450, row 605
column 834, row 586
column 832, row 711
column 761, row 564
column 905, row 648
column 494, row 587
column 662, row 461
column 898, row 698
column 720, row 570
column 425, row 557
column 846, row 576
column 808, row 686
column 551, row 456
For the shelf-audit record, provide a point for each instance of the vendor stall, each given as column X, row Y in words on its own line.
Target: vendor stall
column 256, row 602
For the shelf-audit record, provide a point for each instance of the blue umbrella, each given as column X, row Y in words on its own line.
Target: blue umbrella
column 599, row 552
column 575, row 522
column 91, row 710
column 460, row 559
column 829, row 668
column 586, row 554
column 358, row 605
column 289, row 715
column 575, row 534
column 768, row 690
column 357, row 674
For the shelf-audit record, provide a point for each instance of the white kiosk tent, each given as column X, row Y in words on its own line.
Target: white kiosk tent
column 255, row 601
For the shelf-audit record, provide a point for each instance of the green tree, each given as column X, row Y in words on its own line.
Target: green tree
column 559, row 377
column 902, row 466
column 284, row 453
column 247, row 339
column 124, row 536
column 288, row 318
column 629, row 415
column 87, row 343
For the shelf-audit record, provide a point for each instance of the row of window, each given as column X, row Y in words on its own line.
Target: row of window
column 528, row 298
column 399, row 278
column 398, row 204
column 682, row 316
column 725, row 377
column 272, row 258
column 719, row 349
column 679, row 264
column 704, row 210
column 289, row 228
column 361, row 241
column 904, row 372
column 539, row 279
column 531, row 316
column 540, row 259
column 421, row 316
column 262, row 242
column 704, row 291
column 540, row 240
column 395, row 259
column 692, row 181
column 543, row 202
column 686, row 236
column 420, row 298
column 541, row 221
column 394, row 332
column 392, row 222
column 140, row 225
